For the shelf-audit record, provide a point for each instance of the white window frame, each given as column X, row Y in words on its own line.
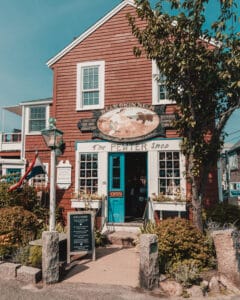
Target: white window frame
column 155, row 87
column 77, row 187
column 101, row 82
column 174, row 190
column 27, row 119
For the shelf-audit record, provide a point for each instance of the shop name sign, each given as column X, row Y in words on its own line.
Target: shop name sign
column 127, row 123
column 141, row 147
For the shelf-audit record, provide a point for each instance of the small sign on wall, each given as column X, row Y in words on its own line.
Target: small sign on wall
column 64, row 177
column 116, row 194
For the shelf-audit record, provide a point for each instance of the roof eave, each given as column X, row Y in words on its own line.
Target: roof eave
column 36, row 102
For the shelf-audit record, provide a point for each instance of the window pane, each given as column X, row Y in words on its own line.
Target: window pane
column 37, row 118
column 116, row 172
column 88, row 171
column 169, row 173
column 116, row 161
column 116, row 183
column 90, row 77
column 91, row 98
column 162, row 89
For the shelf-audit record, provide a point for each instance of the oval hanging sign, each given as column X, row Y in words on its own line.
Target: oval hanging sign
column 128, row 123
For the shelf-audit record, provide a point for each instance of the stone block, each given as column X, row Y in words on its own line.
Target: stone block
column 29, row 274
column 149, row 268
column 50, row 257
column 171, row 288
column 8, row 270
column 227, row 255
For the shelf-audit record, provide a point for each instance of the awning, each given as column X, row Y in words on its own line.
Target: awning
column 14, row 109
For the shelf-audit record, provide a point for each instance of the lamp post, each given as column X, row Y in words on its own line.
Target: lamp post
column 50, row 239
column 53, row 139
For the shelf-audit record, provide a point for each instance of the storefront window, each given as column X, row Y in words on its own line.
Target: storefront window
column 88, row 179
column 169, row 173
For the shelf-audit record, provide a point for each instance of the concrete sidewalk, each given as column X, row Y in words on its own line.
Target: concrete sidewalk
column 114, row 265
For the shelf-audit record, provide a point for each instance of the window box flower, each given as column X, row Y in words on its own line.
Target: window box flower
column 86, row 201
column 168, row 203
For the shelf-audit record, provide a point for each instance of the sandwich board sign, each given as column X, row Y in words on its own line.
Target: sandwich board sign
column 80, row 237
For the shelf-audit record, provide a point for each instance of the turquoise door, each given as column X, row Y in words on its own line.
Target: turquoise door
column 116, row 186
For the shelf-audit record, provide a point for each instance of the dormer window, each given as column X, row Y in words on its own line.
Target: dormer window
column 90, row 85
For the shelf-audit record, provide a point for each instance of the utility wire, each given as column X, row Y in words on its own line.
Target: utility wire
column 237, row 137
column 233, row 132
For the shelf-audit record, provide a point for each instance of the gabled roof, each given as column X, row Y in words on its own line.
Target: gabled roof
column 90, row 30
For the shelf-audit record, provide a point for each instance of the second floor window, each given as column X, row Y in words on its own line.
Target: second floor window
column 37, row 118
column 162, row 89
column 90, row 85
column 159, row 89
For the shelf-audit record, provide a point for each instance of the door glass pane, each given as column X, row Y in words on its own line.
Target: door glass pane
column 116, row 172
column 116, row 183
column 116, row 161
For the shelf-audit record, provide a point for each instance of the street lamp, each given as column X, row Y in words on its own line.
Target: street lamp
column 50, row 239
column 53, row 139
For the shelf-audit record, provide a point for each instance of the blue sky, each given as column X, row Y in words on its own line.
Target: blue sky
column 33, row 31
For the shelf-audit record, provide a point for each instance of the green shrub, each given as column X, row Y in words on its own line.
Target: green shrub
column 21, row 255
column 179, row 240
column 17, row 227
column 35, row 256
column 25, row 197
column 224, row 214
column 185, row 272
column 100, row 239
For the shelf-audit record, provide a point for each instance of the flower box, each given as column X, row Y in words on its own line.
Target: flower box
column 168, row 206
column 86, row 203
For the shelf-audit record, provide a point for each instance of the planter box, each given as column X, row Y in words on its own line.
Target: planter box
column 87, row 204
column 169, row 206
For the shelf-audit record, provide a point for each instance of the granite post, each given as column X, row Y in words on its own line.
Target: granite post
column 227, row 244
column 149, row 266
column 50, row 257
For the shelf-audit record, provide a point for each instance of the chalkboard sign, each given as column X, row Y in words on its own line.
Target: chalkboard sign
column 80, row 233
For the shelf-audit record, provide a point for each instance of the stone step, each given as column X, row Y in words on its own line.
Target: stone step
column 123, row 238
column 133, row 227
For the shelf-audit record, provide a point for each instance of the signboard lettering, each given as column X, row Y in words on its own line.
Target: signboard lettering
column 80, row 233
column 116, row 194
column 64, row 170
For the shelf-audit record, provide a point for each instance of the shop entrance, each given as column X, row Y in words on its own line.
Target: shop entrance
column 127, row 186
